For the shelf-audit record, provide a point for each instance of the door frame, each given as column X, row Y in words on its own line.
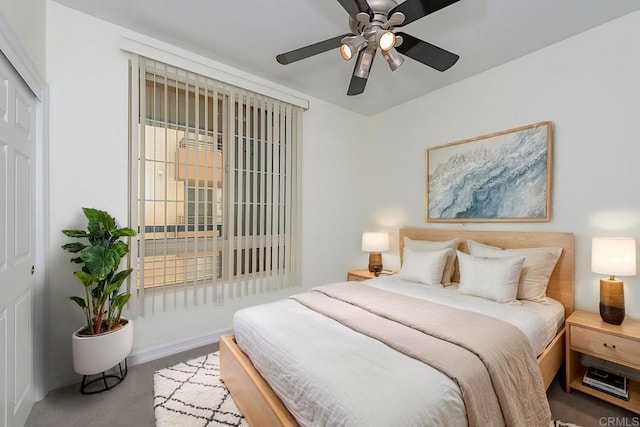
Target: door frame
column 17, row 55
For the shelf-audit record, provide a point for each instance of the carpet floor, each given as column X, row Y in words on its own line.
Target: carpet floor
column 192, row 394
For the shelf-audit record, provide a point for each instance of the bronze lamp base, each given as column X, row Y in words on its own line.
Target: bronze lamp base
column 375, row 262
column 612, row 301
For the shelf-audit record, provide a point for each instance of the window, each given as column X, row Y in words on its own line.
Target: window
column 200, row 206
column 215, row 175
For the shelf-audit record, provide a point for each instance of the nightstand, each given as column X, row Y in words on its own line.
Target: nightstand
column 360, row 275
column 588, row 334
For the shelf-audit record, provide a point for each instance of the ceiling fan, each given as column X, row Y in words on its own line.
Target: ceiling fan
column 372, row 24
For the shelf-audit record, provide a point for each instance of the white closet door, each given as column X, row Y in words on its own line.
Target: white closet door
column 17, row 245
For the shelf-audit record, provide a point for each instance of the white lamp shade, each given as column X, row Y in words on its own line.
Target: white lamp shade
column 615, row 256
column 375, row 242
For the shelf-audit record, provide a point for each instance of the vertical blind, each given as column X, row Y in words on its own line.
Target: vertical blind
column 214, row 188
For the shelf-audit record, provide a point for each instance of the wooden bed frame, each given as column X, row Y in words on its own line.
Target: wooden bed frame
column 262, row 407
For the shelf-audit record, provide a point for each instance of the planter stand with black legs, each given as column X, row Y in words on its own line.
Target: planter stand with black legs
column 104, row 377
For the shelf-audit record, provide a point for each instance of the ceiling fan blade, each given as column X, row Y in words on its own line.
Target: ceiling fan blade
column 433, row 56
column 357, row 84
column 312, row 49
column 416, row 9
column 353, row 7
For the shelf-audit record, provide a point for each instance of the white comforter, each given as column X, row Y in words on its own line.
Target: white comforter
column 328, row 375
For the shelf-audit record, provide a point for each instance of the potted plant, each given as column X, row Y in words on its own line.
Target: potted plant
column 107, row 338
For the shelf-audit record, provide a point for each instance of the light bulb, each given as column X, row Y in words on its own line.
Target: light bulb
column 351, row 45
column 387, row 40
column 346, row 52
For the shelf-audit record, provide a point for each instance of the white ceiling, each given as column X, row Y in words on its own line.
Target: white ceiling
column 248, row 34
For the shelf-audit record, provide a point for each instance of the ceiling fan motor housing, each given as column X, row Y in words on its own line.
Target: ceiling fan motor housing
column 380, row 10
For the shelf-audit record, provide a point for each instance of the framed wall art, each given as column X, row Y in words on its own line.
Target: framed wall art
column 500, row 177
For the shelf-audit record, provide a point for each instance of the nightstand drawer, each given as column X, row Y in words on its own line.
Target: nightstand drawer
column 606, row 345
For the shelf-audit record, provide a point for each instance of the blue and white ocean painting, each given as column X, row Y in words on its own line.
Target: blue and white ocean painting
column 502, row 177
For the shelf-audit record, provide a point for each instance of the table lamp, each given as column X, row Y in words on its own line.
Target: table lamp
column 615, row 256
column 375, row 243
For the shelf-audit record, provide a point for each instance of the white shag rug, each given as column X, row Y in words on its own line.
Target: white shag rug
column 191, row 394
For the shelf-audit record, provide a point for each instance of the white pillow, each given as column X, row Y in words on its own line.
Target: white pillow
column 491, row 278
column 423, row 267
column 536, row 270
column 427, row 246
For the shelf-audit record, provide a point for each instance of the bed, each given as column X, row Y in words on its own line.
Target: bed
column 261, row 405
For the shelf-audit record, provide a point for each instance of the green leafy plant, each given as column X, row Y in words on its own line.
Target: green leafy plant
column 99, row 255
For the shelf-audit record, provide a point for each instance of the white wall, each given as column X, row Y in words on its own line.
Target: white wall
column 27, row 19
column 87, row 75
column 589, row 87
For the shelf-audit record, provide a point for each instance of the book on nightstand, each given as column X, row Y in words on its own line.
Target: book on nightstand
column 607, row 382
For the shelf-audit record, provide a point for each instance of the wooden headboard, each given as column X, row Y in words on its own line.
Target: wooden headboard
column 561, row 282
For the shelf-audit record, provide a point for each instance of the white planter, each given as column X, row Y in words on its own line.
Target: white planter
column 93, row 354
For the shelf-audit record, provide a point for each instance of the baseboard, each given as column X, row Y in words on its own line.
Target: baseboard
column 168, row 349
column 147, row 355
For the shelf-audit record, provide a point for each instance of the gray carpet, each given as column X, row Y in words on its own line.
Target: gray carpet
column 131, row 403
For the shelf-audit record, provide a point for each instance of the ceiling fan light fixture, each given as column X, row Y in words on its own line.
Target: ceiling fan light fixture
column 386, row 40
column 351, row 45
column 364, row 64
column 346, row 52
column 393, row 58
